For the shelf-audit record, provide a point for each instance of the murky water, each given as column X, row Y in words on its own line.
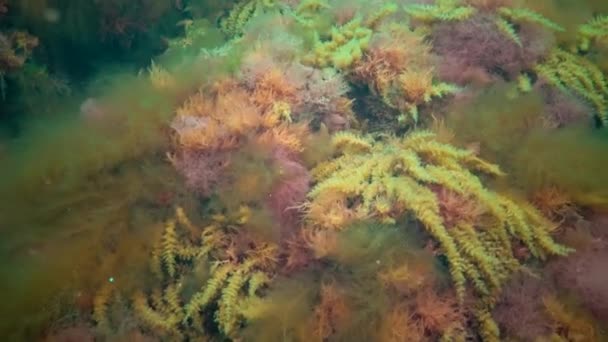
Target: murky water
column 303, row 170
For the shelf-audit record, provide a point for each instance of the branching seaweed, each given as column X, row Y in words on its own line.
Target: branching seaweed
column 572, row 73
column 234, row 276
column 386, row 179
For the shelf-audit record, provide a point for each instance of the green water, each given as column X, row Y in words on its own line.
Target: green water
column 298, row 170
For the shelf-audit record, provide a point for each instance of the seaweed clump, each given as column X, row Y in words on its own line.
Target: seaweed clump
column 184, row 255
column 384, row 180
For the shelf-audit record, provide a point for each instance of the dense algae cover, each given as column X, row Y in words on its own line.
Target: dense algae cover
column 304, row 170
